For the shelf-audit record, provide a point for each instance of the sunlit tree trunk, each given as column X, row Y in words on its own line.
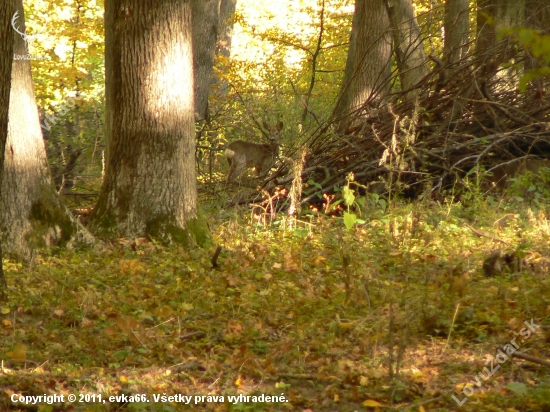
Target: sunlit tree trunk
column 409, row 47
column 457, row 27
column 31, row 214
column 368, row 70
column 6, row 50
column 149, row 187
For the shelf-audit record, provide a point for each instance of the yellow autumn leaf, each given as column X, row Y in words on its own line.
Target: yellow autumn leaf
column 187, row 306
column 320, row 259
column 363, row 381
column 4, row 310
column 6, row 323
column 372, row 403
column 421, row 409
column 19, row 352
column 123, row 379
column 238, row 382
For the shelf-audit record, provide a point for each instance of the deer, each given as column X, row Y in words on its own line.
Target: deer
column 261, row 157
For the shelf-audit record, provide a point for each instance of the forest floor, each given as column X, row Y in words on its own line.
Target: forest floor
column 398, row 313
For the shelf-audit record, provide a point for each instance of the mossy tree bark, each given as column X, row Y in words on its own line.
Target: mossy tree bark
column 149, row 187
column 6, row 49
column 31, row 214
column 368, row 70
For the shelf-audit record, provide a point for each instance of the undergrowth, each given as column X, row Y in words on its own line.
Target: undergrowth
column 394, row 313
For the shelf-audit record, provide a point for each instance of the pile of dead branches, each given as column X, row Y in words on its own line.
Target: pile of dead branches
column 465, row 116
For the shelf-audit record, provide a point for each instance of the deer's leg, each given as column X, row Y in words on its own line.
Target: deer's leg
column 231, row 171
column 238, row 165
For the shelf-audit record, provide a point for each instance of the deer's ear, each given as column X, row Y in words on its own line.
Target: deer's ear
column 280, row 126
column 266, row 126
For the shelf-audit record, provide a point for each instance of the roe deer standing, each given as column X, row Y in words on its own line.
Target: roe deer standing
column 261, row 157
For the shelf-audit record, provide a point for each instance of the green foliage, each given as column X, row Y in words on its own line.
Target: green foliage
column 538, row 45
column 530, row 187
column 270, row 72
column 69, row 64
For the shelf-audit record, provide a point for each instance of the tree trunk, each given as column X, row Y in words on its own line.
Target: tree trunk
column 6, row 49
column 206, row 16
column 150, row 184
column 212, row 33
column 537, row 15
column 225, row 35
column 409, row 47
column 368, row 70
column 486, row 26
column 493, row 14
column 31, row 214
column 457, row 27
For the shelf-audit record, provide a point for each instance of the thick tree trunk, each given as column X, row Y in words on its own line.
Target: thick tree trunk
column 368, row 70
column 409, row 47
column 6, row 49
column 31, row 214
column 150, row 184
column 457, row 27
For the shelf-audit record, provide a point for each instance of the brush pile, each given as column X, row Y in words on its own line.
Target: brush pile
column 469, row 116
